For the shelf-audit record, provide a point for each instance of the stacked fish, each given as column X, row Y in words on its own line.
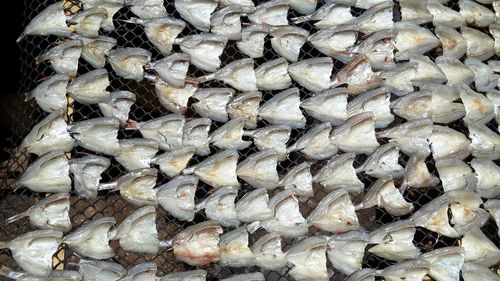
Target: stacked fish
column 386, row 77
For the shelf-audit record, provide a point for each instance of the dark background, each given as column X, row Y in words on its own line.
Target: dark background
column 11, row 62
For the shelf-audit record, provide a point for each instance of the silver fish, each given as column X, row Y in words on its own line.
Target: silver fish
column 364, row 274
column 88, row 22
column 399, row 79
column 456, row 72
column 411, row 137
column 174, row 99
column 51, row 212
column 414, row 105
column 234, row 249
column 212, row 102
column 191, row 275
column 50, row 21
column 63, row 58
column 486, row 173
column 118, row 105
column 328, row 106
column 161, row 32
column 476, row 14
column 304, row 7
column 101, row 270
column 33, row 250
column 358, row 75
column 383, row 161
column 111, row 7
column 252, row 41
column 217, row 170
column 415, row 11
column 394, row 241
column 495, row 32
column 493, row 207
column 259, row 169
column 50, row 95
column 177, row 197
column 476, row 272
column 284, row 109
column 479, row 44
column 299, row 179
column 335, row 42
column 308, row 258
column 288, row 40
column 426, row 72
column 129, row 63
column 173, row 162
column 384, row 194
column 229, row 135
column 172, row 69
column 198, row 244
column 417, row 173
column 330, row 14
column 254, row 206
column 411, row 39
column 346, row 251
column 287, row 220
column 339, row 173
column 147, row 9
column 98, row 135
column 379, row 49
column 335, row 213
column 196, row 134
column 465, row 211
column 220, row 206
column 136, row 153
column 376, row 101
column 444, row 106
column 273, row 75
column 90, row 87
column 484, row 142
column 479, row 249
column 365, row 4
column 257, row 276
column 137, row 232
column 268, row 253
column 143, row 271
column 246, row 6
column 91, row 239
column 485, row 79
column 272, row 12
column 204, row 49
column 448, row 143
column 87, row 172
column 478, row 107
column 445, row 263
column 453, row 44
column 378, row 17
column 227, row 22
column 443, row 15
column 196, row 12
column 357, row 134
column 245, row 105
column 94, row 50
column 49, row 173
column 166, row 130
column 316, row 144
column 434, row 216
column 136, row 187
column 239, row 74
column 454, row 174
column 313, row 74
column 411, row 270
column 273, row 137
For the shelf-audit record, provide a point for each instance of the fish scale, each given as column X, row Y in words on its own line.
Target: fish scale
column 132, row 36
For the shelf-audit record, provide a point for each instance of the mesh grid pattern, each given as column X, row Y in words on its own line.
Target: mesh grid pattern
column 13, row 201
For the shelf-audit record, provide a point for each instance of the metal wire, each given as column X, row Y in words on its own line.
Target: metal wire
column 147, row 107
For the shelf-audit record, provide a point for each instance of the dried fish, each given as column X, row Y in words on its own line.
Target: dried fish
column 339, row 173
column 465, row 211
column 415, row 11
column 335, row 213
column 173, row 162
column 287, row 220
column 445, row 263
column 98, row 135
column 87, row 172
column 204, row 49
column 166, row 130
column 101, row 270
column 196, row 134
column 87, row 22
column 478, row 108
column 456, row 72
column 487, row 175
column 346, row 251
column 177, row 197
column 94, row 50
column 304, row 7
column 383, row 162
column 453, row 44
column 434, row 217
column 288, row 40
column 111, row 7
column 394, row 241
column 411, row 39
column 495, row 99
column 239, row 74
column 272, row 12
column 412, row 270
column 493, row 207
column 495, row 32
column 358, row 75
column 479, row 44
column 147, row 9
column 234, row 249
column 476, row 272
column 443, row 15
column 357, row 134
column 426, row 71
column 454, row 174
column 220, row 206
column 196, row 12
column 272, row 137
column 328, row 106
column 444, row 108
column 379, row 49
column 378, row 17
column 299, row 179
column 227, row 22
column 414, row 105
column 172, row 69
column 191, row 275
column 144, row 271
column 284, row 109
column 375, row 101
column 478, row 249
column 63, row 58
column 268, row 253
column 136, row 187
column 485, row 79
column 259, row 169
column 308, row 259
column 118, row 106
column 254, row 206
column 364, row 274
column 229, row 135
column 49, row 173
column 484, row 142
column 50, row 21
column 448, row 143
column 399, row 79
column 313, row 74
column 129, row 63
column 217, row 170
column 411, row 137
column 91, row 239
column 316, row 144
column 246, row 106
column 212, row 102
column 50, row 95
column 90, row 88
column 252, row 41
column 198, row 244
column 335, row 42
column 476, row 14
column 273, row 75
column 417, row 174
column 384, row 194
column 172, row 98
column 330, row 14
column 51, row 212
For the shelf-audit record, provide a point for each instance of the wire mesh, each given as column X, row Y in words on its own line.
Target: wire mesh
column 13, row 201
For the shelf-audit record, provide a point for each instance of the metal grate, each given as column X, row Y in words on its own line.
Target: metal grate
column 147, row 107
